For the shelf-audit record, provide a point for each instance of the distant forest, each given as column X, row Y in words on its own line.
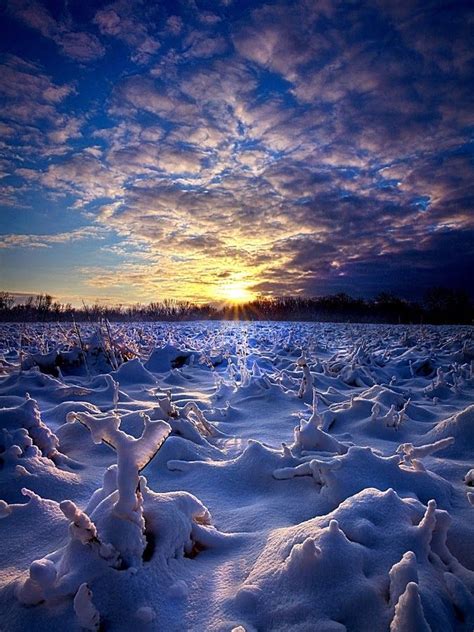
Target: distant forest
column 439, row 306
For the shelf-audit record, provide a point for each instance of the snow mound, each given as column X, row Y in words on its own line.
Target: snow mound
column 133, row 372
column 461, row 427
column 366, row 552
column 336, row 461
column 163, row 359
column 342, row 476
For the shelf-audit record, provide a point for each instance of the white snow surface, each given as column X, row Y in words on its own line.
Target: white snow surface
column 236, row 476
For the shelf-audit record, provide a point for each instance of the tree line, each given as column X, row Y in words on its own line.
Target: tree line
column 439, row 305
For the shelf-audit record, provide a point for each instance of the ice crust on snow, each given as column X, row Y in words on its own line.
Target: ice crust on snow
column 236, row 476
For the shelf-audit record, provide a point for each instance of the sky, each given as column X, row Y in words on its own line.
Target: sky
column 230, row 149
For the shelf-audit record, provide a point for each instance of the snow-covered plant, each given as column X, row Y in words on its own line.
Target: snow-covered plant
column 307, row 379
column 469, row 478
column 310, row 437
column 87, row 614
column 457, row 384
column 115, row 399
column 440, row 379
column 256, row 371
column 166, row 406
column 132, row 454
column 401, row 574
column 125, row 526
column 390, row 418
column 409, row 615
column 403, row 412
column 245, row 375
column 230, row 371
column 81, row 527
column 39, row 586
column 315, row 418
column 410, row 452
column 193, row 412
column 5, row 509
column 375, row 412
column 39, row 432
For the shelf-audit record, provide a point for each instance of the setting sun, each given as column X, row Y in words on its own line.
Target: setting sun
column 236, row 293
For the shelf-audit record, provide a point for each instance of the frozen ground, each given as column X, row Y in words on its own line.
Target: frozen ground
column 220, row 476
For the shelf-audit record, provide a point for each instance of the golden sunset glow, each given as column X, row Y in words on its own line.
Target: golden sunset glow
column 236, row 293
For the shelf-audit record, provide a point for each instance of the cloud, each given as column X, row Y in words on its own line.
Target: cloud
column 285, row 37
column 83, row 47
column 302, row 148
column 203, row 45
column 22, row 81
column 34, row 118
column 48, row 240
column 78, row 45
column 153, row 97
column 174, row 24
column 118, row 20
column 83, row 174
